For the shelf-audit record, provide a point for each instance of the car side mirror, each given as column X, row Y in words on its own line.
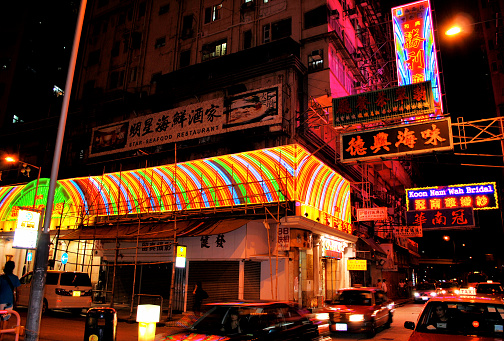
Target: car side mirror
column 409, row 325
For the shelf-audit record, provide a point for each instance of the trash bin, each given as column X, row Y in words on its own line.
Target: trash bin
column 101, row 324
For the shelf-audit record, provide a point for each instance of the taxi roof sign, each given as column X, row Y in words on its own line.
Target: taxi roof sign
column 467, row 291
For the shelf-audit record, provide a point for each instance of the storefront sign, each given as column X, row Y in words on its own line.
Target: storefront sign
column 283, row 238
column 416, row 54
column 397, row 140
column 372, row 214
column 408, row 231
column 357, row 264
column 442, row 218
column 333, row 248
column 180, row 260
column 251, row 109
column 26, row 233
column 480, row 196
column 397, row 102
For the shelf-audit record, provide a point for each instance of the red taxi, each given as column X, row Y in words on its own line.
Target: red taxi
column 468, row 316
column 359, row 310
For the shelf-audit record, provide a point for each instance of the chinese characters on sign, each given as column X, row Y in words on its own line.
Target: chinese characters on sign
column 480, row 196
column 283, row 238
column 442, row 218
column 408, row 231
column 371, row 214
column 256, row 108
column 26, row 233
column 333, row 248
column 416, row 56
column 357, row 264
column 404, row 101
column 219, row 241
column 156, row 246
column 397, row 140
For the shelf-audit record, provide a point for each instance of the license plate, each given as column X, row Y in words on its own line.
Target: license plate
column 341, row 327
column 425, row 298
column 76, row 293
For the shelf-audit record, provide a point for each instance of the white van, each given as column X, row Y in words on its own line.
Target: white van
column 63, row 290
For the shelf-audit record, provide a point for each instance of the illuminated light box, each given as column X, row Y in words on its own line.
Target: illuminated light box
column 415, row 48
column 479, row 196
column 442, row 218
column 26, row 233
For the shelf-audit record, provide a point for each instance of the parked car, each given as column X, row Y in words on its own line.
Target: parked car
column 259, row 320
column 464, row 317
column 424, row 292
column 490, row 288
column 448, row 288
column 359, row 310
column 63, row 290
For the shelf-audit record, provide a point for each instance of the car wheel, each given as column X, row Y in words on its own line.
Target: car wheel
column 371, row 332
column 45, row 307
column 389, row 321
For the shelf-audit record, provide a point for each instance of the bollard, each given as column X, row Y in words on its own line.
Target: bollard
column 147, row 317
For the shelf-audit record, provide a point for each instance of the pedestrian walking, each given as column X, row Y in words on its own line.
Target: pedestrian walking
column 8, row 284
column 384, row 286
column 198, row 296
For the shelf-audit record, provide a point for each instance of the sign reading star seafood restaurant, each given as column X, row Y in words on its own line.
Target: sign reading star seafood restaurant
column 480, row 196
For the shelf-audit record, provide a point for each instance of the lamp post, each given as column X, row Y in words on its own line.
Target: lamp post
column 447, row 238
column 26, row 171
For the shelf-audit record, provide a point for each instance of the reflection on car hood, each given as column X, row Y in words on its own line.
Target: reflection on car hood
column 351, row 308
column 447, row 337
column 192, row 337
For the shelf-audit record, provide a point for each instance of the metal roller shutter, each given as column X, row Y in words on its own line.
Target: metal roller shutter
column 218, row 278
column 252, row 281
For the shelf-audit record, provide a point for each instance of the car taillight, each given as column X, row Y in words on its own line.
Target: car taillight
column 87, row 293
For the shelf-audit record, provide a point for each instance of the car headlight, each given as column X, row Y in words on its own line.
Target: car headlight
column 416, row 294
column 457, row 292
column 356, row 318
column 322, row 316
column 443, row 291
column 433, row 294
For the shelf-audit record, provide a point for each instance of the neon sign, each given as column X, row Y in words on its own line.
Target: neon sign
column 415, row 47
column 480, row 196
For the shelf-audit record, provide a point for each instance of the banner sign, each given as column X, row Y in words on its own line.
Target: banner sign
column 396, row 102
column 442, row 218
column 408, row 231
column 480, row 196
column 397, row 140
column 372, row 214
column 415, row 47
column 357, row 264
column 26, row 233
column 251, row 109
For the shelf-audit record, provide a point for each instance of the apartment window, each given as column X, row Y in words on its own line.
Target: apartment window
column 185, row 58
column 155, row 77
column 266, row 33
column 94, row 57
column 213, row 13
column 136, row 40
column 281, row 29
column 491, row 44
column 164, row 9
column 315, row 17
column 122, row 19
column 115, row 48
column 116, row 79
column 215, row 49
column 247, row 39
column 133, row 74
column 160, row 42
column 187, row 26
column 316, row 60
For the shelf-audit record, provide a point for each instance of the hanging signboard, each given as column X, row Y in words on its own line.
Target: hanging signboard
column 357, row 264
column 283, row 238
column 397, row 140
column 442, row 218
column 372, row 214
column 180, row 260
column 415, row 47
column 480, row 196
column 408, row 231
column 397, row 102
column 26, row 233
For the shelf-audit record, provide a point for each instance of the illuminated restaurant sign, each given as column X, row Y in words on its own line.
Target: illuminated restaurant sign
column 480, row 196
column 415, row 47
column 397, row 140
column 442, row 218
column 357, row 264
column 333, row 248
column 397, row 102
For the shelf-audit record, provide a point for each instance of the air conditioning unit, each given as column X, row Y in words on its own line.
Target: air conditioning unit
column 317, row 54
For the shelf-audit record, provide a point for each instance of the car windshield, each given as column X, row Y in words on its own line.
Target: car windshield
column 426, row 286
column 462, row 318
column 218, row 320
column 75, row 279
column 353, row 297
column 487, row 288
column 448, row 285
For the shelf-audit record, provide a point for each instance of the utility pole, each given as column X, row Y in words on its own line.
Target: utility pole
column 42, row 254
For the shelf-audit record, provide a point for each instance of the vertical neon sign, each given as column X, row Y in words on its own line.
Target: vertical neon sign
column 415, row 47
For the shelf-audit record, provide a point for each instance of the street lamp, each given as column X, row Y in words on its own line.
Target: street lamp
column 26, row 171
column 447, row 238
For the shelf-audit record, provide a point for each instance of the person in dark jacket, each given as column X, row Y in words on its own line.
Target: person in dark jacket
column 198, row 296
column 8, row 284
